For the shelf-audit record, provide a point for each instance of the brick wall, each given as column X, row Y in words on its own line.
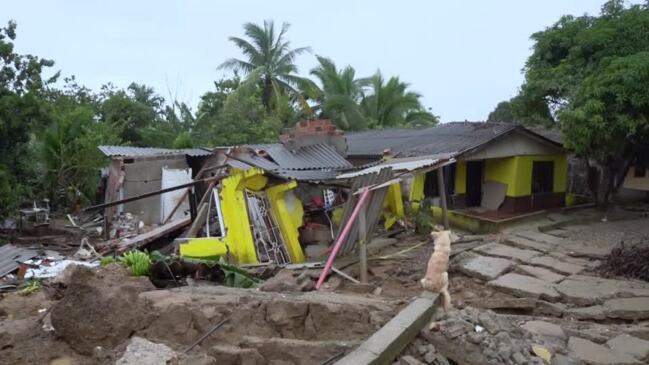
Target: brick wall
column 309, row 132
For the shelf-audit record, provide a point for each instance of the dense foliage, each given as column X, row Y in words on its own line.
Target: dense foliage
column 588, row 76
column 50, row 128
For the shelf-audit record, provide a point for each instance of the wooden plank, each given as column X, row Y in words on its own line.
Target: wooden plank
column 144, row 238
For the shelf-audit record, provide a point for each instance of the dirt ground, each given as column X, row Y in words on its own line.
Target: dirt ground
column 99, row 316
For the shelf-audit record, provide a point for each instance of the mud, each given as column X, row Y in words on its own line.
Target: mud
column 100, row 308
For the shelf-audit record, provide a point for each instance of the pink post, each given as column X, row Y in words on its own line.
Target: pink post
column 341, row 238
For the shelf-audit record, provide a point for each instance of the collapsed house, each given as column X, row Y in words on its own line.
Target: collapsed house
column 263, row 203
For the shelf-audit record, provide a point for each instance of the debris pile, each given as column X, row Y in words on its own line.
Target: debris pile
column 630, row 262
column 483, row 337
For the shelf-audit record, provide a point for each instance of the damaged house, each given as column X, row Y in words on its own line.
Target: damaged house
column 266, row 203
column 501, row 171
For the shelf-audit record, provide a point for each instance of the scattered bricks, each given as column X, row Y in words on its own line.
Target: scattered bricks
column 455, row 327
column 630, row 345
column 489, row 322
column 519, row 358
column 595, row 312
column 627, row 308
column 592, row 353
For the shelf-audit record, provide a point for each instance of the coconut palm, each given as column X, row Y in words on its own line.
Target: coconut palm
column 340, row 95
column 390, row 104
column 269, row 62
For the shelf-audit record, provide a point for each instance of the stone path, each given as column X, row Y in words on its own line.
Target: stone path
column 543, row 267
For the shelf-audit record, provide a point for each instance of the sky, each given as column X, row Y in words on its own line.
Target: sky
column 462, row 56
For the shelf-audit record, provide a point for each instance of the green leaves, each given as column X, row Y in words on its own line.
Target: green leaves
column 137, row 262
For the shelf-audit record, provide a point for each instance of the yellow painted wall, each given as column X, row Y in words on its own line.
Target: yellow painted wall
column 516, row 172
column 505, row 170
column 524, row 183
column 460, row 177
column 289, row 218
column 416, row 190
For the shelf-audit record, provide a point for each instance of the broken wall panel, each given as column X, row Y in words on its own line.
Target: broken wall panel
column 142, row 175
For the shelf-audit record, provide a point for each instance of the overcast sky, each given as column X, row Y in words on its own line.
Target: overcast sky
column 462, row 56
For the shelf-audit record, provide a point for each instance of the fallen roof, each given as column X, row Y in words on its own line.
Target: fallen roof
column 11, row 257
column 111, row 151
column 454, row 138
column 310, row 163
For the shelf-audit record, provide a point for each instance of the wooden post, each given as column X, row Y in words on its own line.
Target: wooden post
column 442, row 196
column 362, row 243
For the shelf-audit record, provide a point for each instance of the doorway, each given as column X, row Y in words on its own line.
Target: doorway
column 474, row 171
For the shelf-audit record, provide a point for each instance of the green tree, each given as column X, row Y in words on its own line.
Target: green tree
column 22, row 111
column 245, row 120
column 390, row 104
column 588, row 74
column 340, row 95
column 502, row 113
column 269, row 61
column 131, row 110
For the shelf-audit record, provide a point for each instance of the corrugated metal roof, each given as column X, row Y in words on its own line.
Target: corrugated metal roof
column 319, row 156
column 454, row 137
column 11, row 257
column 403, row 164
column 150, row 151
column 313, row 163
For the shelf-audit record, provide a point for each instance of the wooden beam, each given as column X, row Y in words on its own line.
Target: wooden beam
column 442, row 196
column 362, row 243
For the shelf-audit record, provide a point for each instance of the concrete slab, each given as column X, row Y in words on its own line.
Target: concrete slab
column 500, row 250
column 581, row 249
column 541, row 237
column 524, row 243
column 630, row 345
column 590, row 290
column 525, row 286
column 627, row 308
column 544, row 329
column 556, row 265
column 540, row 273
column 591, row 353
column 484, row 267
column 585, row 292
column 595, row 312
column 386, row 343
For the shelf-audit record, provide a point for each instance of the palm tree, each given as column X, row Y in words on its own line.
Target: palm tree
column 392, row 105
column 269, row 62
column 340, row 95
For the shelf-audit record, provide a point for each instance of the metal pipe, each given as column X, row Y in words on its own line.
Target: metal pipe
column 341, row 238
column 152, row 193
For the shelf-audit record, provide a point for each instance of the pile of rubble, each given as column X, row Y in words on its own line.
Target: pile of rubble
column 473, row 336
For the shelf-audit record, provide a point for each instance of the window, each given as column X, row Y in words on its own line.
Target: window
column 542, row 176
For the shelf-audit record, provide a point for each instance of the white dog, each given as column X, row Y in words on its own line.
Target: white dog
column 436, row 279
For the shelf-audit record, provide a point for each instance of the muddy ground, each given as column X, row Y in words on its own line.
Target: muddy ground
column 105, row 316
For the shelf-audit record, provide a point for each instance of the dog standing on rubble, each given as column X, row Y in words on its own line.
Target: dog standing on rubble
column 436, row 279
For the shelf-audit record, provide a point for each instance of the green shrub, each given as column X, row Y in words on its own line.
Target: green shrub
column 138, row 262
